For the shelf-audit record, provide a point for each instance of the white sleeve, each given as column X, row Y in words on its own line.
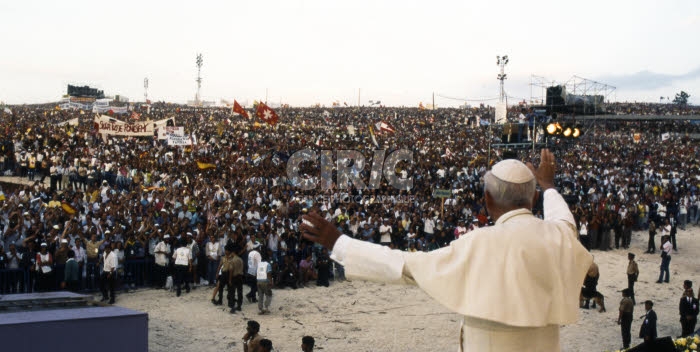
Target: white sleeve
column 555, row 207
column 369, row 261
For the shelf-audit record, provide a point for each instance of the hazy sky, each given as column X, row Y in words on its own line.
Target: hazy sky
column 307, row 51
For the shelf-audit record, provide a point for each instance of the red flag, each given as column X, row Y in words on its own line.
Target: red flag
column 265, row 113
column 135, row 115
column 385, row 127
column 238, row 109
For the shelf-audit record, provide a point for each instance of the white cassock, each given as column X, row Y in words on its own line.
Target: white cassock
column 515, row 282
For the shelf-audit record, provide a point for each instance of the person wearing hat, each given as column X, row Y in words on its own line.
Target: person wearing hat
column 162, row 255
column 624, row 319
column 460, row 276
column 44, row 269
column 688, row 309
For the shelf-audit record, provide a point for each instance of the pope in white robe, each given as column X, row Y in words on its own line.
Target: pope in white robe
column 515, row 282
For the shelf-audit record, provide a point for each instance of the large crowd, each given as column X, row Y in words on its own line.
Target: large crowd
column 89, row 192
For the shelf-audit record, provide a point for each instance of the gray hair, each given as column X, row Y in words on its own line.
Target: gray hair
column 508, row 194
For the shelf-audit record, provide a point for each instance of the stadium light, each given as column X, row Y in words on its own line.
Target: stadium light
column 568, row 131
column 554, row 128
column 577, row 132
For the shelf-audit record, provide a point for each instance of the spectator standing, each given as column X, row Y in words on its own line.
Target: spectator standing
column 632, row 275
column 265, row 283
column 44, row 269
column 253, row 261
column 665, row 248
column 651, row 246
column 109, row 272
column 212, row 251
column 162, row 254
column 71, row 277
column 183, row 266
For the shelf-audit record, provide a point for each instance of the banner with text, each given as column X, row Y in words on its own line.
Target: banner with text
column 113, row 127
column 175, row 140
column 163, row 132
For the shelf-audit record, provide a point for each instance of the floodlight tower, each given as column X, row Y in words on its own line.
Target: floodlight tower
column 145, row 90
column 199, row 61
column 502, row 61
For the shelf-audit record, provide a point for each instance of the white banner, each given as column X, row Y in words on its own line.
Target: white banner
column 164, row 131
column 115, row 109
column 665, row 136
column 501, row 113
column 113, row 127
column 174, row 140
column 72, row 122
column 163, row 123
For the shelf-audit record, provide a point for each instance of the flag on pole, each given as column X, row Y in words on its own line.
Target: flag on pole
column 385, row 127
column 238, row 109
column 266, row 114
column 374, row 139
column 204, row 166
column 135, row 115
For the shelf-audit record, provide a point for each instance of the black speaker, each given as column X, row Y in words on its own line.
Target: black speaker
column 664, row 344
column 556, row 97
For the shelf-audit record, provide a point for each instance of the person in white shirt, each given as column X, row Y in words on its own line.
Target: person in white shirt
column 212, row 250
column 183, row 265
column 385, row 233
column 253, row 260
column 666, row 248
column 162, row 253
column 109, row 272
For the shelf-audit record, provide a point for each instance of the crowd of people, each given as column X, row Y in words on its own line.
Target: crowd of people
column 134, row 211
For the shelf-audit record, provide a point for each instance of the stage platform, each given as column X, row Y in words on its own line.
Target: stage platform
column 66, row 321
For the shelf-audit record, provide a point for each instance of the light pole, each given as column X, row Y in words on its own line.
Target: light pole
column 145, row 90
column 502, row 61
column 200, row 62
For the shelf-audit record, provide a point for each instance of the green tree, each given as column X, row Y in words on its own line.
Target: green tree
column 681, row 98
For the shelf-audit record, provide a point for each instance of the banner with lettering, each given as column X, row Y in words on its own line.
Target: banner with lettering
column 115, row 109
column 160, row 126
column 113, row 127
column 175, row 140
column 163, row 132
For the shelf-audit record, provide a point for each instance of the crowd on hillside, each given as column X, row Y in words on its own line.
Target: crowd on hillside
column 90, row 192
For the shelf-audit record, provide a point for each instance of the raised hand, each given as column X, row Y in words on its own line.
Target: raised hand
column 545, row 172
column 315, row 228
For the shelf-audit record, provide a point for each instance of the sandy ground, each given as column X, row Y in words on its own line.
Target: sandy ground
column 365, row 316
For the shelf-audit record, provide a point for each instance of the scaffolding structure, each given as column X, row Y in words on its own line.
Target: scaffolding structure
column 586, row 87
